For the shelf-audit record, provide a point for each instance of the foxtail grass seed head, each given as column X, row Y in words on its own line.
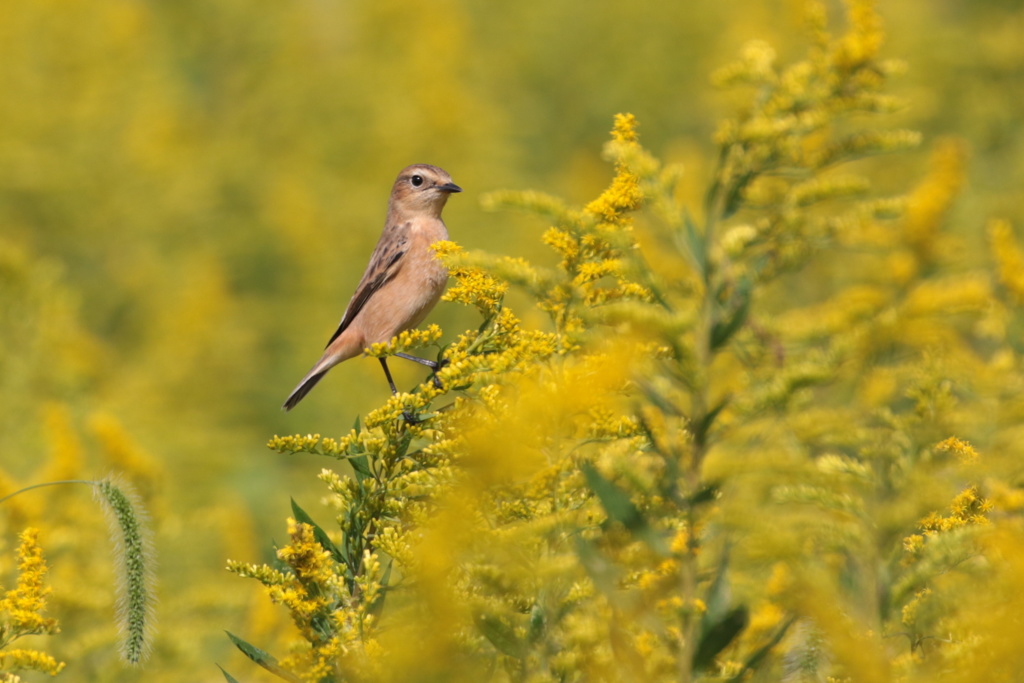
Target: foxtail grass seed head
column 134, row 559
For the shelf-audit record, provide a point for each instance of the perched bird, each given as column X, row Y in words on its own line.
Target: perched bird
column 403, row 281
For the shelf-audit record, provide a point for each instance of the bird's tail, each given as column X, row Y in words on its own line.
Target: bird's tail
column 307, row 383
column 340, row 349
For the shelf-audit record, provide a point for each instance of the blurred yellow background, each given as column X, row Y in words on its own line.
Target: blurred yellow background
column 189, row 192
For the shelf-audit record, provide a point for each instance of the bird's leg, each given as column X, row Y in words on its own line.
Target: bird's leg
column 434, row 365
column 387, row 373
column 406, row 414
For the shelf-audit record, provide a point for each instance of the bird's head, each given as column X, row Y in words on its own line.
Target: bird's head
column 421, row 188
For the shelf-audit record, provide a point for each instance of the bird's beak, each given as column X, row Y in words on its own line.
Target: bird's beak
column 449, row 187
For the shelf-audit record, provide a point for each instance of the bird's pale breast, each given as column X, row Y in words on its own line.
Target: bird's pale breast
column 406, row 300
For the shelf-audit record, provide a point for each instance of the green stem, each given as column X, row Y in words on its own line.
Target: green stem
column 47, row 483
column 700, row 402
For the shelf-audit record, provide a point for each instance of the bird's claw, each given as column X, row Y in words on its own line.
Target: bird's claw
column 441, row 365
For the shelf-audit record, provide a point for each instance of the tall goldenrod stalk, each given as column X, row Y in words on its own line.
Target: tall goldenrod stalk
column 22, row 613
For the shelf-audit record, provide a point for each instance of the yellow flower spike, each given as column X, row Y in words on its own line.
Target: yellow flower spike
column 1009, row 258
column 473, row 285
column 864, row 39
column 28, row 660
column 306, row 556
column 66, row 459
column 564, row 243
column 21, row 611
column 310, row 443
column 409, row 339
column 624, row 194
column 26, row 603
column 122, row 451
column 624, row 129
column 932, row 198
column 963, row 451
column 446, row 248
column 261, row 572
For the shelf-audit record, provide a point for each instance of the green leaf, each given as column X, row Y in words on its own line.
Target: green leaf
column 319, row 534
column 361, row 467
column 614, row 500
column 734, row 198
column 723, row 331
column 227, row 676
column 501, row 636
column 538, row 624
column 403, row 445
column 763, row 651
column 694, row 243
column 706, row 494
column 717, row 600
column 653, row 395
column 621, row 509
column 264, row 659
column 716, row 638
column 703, row 425
column 323, row 626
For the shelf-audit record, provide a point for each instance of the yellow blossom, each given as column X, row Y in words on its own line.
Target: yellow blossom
column 865, row 38
column 932, row 198
column 408, row 339
column 963, row 451
column 31, row 660
column 624, row 194
column 1009, row 258
column 26, row 603
column 22, row 608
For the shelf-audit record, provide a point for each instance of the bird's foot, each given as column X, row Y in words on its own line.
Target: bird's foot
column 442, row 364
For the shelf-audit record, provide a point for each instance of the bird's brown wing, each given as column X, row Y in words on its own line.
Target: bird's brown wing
column 385, row 262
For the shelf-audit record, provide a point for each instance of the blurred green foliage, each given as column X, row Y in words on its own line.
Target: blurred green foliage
column 189, row 191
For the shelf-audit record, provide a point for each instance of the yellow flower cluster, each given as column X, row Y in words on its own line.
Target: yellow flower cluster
column 473, row 285
column 1009, row 259
column 26, row 660
column 910, row 612
column 595, row 243
column 778, row 157
column 624, row 194
column 24, row 605
column 932, row 198
column 21, row 611
column 969, row 508
column 409, row 339
column 310, row 443
column 862, row 43
column 963, row 451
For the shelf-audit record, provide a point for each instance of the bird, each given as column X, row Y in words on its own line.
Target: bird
column 403, row 281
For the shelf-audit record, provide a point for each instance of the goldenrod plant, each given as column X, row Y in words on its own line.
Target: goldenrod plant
column 701, row 469
column 22, row 613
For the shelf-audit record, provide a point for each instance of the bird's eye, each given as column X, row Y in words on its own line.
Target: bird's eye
column 417, row 180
